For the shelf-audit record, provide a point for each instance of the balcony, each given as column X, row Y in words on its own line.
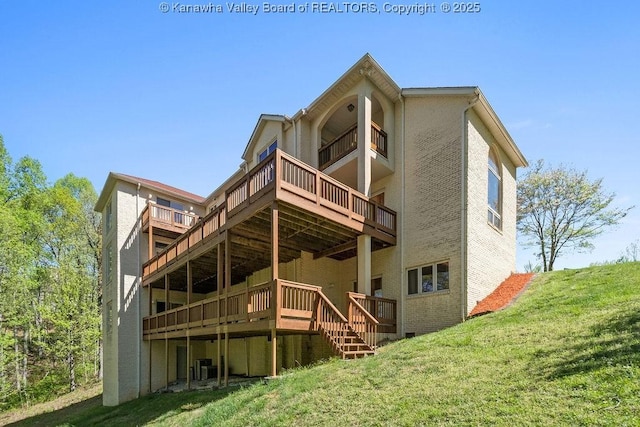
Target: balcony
column 348, row 142
column 323, row 215
column 166, row 220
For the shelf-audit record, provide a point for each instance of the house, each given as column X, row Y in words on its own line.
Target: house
column 373, row 214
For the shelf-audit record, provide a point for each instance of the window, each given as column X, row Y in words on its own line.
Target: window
column 178, row 216
column 108, row 217
column 376, row 287
column 494, row 193
column 160, row 246
column 428, row 278
column 108, row 268
column 378, row 198
column 164, row 202
column 263, row 155
column 109, row 319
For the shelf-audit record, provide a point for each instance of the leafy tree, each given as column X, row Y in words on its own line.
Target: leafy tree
column 49, row 282
column 561, row 209
column 71, row 309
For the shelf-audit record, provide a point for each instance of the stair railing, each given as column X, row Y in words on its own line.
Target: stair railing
column 362, row 322
column 331, row 323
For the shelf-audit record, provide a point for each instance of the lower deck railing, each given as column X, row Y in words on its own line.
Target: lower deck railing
column 281, row 300
column 384, row 310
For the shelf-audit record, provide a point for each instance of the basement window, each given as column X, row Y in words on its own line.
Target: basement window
column 428, row 278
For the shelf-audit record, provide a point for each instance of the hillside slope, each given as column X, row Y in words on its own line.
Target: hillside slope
column 568, row 352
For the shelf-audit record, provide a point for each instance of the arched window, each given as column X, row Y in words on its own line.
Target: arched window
column 494, row 199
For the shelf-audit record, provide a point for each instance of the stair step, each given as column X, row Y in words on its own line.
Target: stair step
column 357, row 354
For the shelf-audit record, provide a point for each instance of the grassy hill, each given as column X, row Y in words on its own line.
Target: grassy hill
column 566, row 353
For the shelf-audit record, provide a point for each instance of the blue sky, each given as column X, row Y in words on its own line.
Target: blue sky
column 92, row 87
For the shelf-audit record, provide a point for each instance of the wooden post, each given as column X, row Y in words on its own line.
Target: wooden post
column 166, row 363
column 277, row 297
column 150, row 235
column 274, row 241
column 219, row 358
column 150, row 359
column 274, row 353
column 188, row 360
column 220, row 281
column 166, row 296
column 189, row 285
column 189, row 290
column 226, row 359
column 227, row 274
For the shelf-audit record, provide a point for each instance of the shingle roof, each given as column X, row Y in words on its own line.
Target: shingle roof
column 162, row 187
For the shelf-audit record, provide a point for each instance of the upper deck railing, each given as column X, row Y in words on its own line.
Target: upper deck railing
column 285, row 175
column 348, row 142
column 165, row 217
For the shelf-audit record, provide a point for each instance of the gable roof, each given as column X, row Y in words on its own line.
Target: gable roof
column 262, row 122
column 148, row 183
column 364, row 67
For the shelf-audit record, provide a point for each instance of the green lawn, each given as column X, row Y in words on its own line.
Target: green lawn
column 566, row 353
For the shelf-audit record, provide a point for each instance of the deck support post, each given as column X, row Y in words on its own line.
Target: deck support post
column 166, row 363
column 227, row 272
column 150, row 235
column 364, row 264
column 189, row 290
column 219, row 343
column 166, row 340
column 166, row 293
column 188, row 361
column 274, row 277
column 220, row 278
column 274, row 353
column 150, row 359
column 226, row 359
column 274, row 241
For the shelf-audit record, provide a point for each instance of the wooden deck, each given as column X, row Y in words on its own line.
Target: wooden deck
column 282, row 305
column 318, row 214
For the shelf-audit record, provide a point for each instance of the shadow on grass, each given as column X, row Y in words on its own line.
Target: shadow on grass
column 612, row 343
column 141, row 411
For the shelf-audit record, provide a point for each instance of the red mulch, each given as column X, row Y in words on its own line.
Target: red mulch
column 503, row 295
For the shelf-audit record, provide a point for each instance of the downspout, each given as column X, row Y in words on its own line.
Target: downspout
column 295, row 138
column 402, row 216
column 139, row 230
column 463, row 226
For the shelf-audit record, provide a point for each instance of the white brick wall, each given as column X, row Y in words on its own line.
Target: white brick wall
column 432, row 210
column 490, row 252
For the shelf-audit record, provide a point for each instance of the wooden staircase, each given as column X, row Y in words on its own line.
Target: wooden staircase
column 347, row 339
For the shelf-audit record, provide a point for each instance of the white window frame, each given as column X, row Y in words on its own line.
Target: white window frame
column 108, row 217
column 270, row 149
column 434, row 280
column 494, row 218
